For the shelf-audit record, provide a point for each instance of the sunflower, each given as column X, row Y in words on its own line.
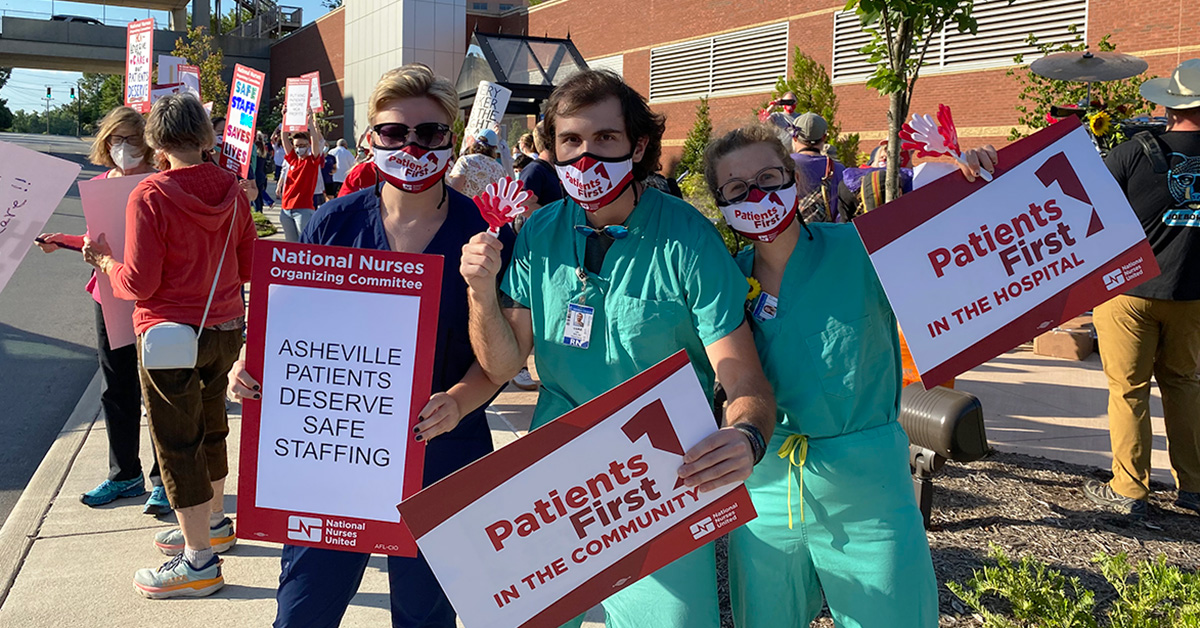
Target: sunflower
column 1100, row 123
column 755, row 289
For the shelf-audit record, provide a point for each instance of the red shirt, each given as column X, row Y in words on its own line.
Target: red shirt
column 360, row 177
column 301, row 181
column 176, row 223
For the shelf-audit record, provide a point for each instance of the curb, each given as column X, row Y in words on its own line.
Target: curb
column 25, row 521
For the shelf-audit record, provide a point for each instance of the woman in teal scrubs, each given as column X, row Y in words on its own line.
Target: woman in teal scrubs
column 836, row 510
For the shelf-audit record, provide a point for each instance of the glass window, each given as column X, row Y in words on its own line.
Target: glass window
column 506, row 7
column 479, row 6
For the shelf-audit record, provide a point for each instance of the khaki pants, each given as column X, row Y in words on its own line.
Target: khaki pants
column 1139, row 338
column 188, row 424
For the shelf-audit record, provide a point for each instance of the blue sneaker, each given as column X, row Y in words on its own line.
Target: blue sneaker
column 110, row 491
column 158, row 504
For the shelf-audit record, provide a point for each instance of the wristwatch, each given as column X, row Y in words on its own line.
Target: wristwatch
column 758, row 445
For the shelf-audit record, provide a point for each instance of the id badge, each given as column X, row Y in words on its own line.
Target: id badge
column 578, row 332
column 765, row 307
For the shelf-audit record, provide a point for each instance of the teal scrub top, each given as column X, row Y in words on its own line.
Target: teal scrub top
column 832, row 352
column 670, row 285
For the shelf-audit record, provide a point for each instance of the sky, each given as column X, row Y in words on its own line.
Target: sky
column 27, row 88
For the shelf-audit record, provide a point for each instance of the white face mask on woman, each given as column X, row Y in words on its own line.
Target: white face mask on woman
column 126, row 157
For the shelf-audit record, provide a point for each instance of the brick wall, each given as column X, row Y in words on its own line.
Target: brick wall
column 320, row 47
column 1164, row 33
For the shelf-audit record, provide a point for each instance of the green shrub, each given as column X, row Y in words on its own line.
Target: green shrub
column 1030, row 594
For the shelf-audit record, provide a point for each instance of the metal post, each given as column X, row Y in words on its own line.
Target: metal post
column 923, row 485
column 47, row 115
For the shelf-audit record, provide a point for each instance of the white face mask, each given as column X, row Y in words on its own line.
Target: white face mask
column 594, row 181
column 763, row 215
column 303, row 152
column 125, row 156
column 413, row 168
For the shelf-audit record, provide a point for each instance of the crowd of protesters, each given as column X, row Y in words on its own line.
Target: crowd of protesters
column 796, row 328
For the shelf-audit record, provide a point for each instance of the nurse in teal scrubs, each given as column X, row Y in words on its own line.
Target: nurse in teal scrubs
column 608, row 282
column 836, row 510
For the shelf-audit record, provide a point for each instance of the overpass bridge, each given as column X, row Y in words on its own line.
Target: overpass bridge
column 80, row 47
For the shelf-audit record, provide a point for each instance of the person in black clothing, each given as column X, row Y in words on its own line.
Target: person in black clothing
column 1154, row 328
column 539, row 176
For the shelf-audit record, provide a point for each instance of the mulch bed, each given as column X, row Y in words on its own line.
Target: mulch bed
column 1035, row 507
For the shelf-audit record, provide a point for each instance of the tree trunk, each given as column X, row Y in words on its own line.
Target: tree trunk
column 897, row 114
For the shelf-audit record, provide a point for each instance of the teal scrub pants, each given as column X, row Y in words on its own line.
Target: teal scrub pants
column 861, row 540
column 680, row 595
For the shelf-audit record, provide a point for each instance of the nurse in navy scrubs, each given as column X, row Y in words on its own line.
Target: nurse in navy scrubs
column 411, row 210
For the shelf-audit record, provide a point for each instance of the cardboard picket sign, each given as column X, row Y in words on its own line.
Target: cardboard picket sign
column 104, row 202
column 491, row 101
column 329, row 449
column 139, row 46
column 168, row 68
column 241, row 117
column 296, row 104
column 31, row 186
column 550, row 525
column 315, row 100
column 975, row 269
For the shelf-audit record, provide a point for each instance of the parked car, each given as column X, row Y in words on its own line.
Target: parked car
column 78, row 19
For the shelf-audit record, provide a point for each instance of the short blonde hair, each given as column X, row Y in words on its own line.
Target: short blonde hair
column 108, row 127
column 413, row 81
column 178, row 122
column 741, row 138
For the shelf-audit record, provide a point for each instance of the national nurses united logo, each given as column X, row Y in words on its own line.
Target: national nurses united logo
column 1183, row 181
column 304, row 529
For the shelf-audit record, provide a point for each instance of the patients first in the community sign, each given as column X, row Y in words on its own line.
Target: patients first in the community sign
column 342, row 341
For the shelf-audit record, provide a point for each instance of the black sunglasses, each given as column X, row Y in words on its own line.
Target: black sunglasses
column 428, row 134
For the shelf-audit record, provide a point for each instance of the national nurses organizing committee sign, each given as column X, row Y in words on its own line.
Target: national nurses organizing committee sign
column 242, row 115
column 342, row 341
column 139, row 48
column 548, row 526
column 975, row 269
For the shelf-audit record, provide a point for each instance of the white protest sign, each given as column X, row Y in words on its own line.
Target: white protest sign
column 329, row 449
column 189, row 75
column 315, row 99
column 491, row 100
column 545, row 528
column 139, row 46
column 242, row 115
column 295, row 112
column 31, row 186
column 104, row 202
column 973, row 269
column 168, row 69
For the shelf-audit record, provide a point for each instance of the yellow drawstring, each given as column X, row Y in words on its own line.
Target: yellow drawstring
column 795, row 449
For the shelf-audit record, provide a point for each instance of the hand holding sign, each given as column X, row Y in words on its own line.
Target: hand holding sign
column 501, row 202
column 935, row 138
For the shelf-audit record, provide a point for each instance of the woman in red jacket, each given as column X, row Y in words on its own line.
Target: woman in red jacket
column 184, row 226
column 120, row 147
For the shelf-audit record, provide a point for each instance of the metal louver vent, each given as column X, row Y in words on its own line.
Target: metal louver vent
column 745, row 61
column 1002, row 34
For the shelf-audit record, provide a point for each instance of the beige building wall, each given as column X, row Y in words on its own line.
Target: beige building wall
column 383, row 34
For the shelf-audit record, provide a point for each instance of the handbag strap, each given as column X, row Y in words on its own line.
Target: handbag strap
column 220, row 264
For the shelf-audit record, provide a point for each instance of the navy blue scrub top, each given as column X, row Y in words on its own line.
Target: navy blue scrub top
column 354, row 221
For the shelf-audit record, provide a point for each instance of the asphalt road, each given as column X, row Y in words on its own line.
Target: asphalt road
column 47, row 336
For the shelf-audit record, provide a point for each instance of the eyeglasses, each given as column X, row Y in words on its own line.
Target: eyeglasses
column 768, row 180
column 132, row 140
column 428, row 134
column 616, row 232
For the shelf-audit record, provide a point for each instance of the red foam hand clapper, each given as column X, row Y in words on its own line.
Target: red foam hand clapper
column 501, row 202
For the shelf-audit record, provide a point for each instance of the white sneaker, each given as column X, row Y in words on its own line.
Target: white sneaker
column 524, row 380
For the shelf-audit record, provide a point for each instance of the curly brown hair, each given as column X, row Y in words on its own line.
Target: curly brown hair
column 594, row 86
